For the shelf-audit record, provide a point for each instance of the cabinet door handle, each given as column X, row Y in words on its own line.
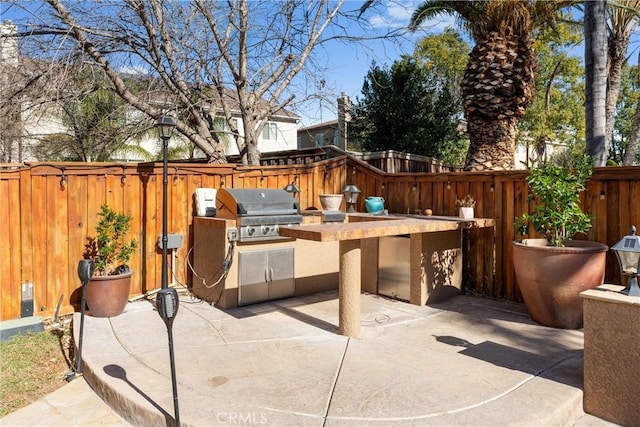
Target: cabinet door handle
column 266, row 275
column 271, row 274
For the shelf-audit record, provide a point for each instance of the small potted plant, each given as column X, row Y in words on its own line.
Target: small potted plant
column 108, row 290
column 552, row 271
column 466, row 206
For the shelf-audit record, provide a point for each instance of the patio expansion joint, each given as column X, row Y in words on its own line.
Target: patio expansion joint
column 209, row 322
column 335, row 380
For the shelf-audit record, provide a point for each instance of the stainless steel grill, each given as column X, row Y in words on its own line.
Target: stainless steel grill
column 258, row 212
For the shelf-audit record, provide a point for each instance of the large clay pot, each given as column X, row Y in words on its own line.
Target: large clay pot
column 107, row 296
column 551, row 278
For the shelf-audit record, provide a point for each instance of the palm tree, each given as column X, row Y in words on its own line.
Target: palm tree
column 623, row 19
column 595, row 64
column 499, row 79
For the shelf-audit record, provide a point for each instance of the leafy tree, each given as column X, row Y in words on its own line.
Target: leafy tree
column 100, row 125
column 403, row 108
column 557, row 113
column 621, row 150
column 444, row 57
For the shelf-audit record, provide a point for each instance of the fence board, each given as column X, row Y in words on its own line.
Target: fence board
column 46, row 227
column 77, row 212
column 40, row 245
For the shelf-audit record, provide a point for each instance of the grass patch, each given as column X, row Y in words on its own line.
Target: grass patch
column 31, row 366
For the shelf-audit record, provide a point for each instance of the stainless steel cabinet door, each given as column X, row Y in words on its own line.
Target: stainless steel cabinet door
column 281, row 268
column 265, row 275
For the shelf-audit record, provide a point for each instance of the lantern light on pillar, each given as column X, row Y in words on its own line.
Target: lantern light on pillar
column 627, row 251
column 351, row 193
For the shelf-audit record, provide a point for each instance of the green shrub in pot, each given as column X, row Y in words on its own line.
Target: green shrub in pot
column 109, row 250
column 555, row 193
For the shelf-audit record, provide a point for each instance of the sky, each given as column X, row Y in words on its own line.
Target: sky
column 347, row 65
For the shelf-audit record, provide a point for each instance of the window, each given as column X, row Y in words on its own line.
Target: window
column 222, row 124
column 270, row 131
column 319, row 139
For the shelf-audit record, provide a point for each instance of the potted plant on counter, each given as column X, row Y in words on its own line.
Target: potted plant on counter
column 108, row 290
column 552, row 271
column 466, row 205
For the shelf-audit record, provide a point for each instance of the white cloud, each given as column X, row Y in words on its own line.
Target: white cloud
column 398, row 14
column 134, row 70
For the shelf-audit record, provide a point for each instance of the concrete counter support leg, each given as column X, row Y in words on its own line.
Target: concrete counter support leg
column 349, row 288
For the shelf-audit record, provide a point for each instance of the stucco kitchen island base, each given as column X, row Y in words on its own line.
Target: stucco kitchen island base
column 426, row 255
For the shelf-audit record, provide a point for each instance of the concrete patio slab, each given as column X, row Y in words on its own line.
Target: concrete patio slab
column 466, row 361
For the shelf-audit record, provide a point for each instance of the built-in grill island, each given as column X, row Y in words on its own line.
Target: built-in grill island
column 239, row 257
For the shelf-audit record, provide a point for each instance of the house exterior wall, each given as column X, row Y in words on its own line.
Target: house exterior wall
column 525, row 154
column 285, row 139
column 319, row 135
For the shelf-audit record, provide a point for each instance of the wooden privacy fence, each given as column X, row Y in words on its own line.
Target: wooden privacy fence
column 44, row 224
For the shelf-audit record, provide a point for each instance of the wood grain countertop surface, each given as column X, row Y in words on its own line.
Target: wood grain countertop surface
column 361, row 226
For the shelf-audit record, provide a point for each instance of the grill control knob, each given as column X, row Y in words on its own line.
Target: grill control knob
column 264, row 229
column 250, row 231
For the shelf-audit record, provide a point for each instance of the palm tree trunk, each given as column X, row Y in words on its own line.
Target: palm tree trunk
column 595, row 57
column 633, row 145
column 618, row 44
column 498, row 85
column 491, row 144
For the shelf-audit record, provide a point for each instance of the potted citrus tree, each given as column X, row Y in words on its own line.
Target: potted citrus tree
column 108, row 290
column 552, row 271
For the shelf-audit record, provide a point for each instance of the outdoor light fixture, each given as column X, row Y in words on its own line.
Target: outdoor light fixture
column 165, row 126
column 351, row 193
column 292, row 189
column 628, row 253
column 63, row 178
column 85, row 273
column 167, row 299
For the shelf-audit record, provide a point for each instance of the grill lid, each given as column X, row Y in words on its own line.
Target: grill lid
column 237, row 202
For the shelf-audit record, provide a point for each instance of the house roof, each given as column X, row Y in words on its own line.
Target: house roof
column 323, row 125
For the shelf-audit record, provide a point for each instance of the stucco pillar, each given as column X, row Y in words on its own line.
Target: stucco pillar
column 349, row 288
column 611, row 349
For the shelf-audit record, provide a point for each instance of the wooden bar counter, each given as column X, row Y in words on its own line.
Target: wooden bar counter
column 359, row 229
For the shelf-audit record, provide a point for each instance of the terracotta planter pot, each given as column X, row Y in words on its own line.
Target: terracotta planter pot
column 107, row 296
column 330, row 202
column 552, row 278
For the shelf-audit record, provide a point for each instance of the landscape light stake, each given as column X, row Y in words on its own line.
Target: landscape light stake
column 167, row 299
column 85, row 272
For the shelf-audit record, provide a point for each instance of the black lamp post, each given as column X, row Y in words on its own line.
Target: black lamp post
column 85, row 273
column 167, row 299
